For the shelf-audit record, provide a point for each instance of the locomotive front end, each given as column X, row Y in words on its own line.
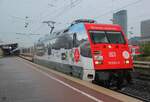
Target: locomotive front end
column 110, row 53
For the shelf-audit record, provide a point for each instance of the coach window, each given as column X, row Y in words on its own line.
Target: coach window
column 53, row 43
column 85, row 49
column 75, row 40
column 49, row 49
column 64, row 41
column 79, row 32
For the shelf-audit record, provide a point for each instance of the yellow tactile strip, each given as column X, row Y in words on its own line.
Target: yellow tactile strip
column 118, row 96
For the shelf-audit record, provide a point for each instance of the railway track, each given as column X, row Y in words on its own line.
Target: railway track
column 139, row 89
column 141, row 84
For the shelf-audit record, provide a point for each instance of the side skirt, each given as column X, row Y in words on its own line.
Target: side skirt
column 75, row 71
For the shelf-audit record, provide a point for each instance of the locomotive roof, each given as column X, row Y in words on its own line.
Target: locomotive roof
column 87, row 24
column 94, row 26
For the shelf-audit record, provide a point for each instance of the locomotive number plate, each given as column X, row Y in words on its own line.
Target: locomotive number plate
column 114, row 62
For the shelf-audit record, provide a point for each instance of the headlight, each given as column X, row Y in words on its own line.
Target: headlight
column 127, row 62
column 98, row 62
column 126, row 54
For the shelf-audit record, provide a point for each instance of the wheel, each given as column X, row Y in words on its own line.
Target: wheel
column 128, row 77
column 107, row 83
column 120, row 83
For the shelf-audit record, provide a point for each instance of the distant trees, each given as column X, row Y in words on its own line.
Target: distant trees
column 1, row 52
column 145, row 49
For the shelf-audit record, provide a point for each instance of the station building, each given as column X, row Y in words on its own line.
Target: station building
column 9, row 49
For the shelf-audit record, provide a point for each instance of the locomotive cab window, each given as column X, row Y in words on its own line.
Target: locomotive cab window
column 115, row 37
column 111, row 37
column 98, row 37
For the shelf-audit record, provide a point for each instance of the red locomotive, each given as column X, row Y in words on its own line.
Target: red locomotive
column 89, row 51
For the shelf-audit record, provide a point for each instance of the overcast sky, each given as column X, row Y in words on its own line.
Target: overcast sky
column 13, row 15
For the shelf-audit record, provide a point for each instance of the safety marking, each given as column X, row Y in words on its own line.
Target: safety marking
column 67, row 85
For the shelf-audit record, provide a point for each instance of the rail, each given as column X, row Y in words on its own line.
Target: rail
column 28, row 57
column 142, row 64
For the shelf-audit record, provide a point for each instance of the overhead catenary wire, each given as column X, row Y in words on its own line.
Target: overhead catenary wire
column 49, row 14
column 63, row 10
column 76, row 2
column 123, row 7
column 53, row 12
column 23, row 19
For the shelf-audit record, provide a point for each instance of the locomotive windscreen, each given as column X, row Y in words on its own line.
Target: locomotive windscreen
column 107, row 37
column 115, row 37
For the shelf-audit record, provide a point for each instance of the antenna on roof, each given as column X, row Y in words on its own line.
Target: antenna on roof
column 83, row 21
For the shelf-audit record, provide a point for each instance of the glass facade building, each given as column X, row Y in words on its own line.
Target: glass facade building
column 145, row 28
column 120, row 18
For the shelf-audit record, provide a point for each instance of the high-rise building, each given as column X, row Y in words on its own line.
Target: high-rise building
column 120, row 18
column 145, row 28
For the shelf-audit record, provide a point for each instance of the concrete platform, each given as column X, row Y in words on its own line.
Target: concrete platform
column 22, row 81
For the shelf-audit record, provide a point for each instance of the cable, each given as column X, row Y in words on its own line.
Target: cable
column 130, row 4
column 53, row 12
column 49, row 14
column 23, row 19
column 65, row 8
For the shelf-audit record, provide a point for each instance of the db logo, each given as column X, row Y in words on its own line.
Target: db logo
column 76, row 55
column 112, row 54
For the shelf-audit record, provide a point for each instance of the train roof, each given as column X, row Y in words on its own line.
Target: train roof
column 99, row 26
column 89, row 24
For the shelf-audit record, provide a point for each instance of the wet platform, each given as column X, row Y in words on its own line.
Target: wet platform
column 21, row 81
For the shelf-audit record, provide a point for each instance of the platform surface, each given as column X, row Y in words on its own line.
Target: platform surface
column 23, row 82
